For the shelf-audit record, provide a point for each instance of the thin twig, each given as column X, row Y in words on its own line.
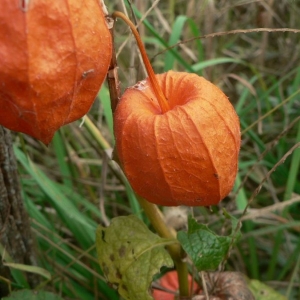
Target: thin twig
column 268, row 148
column 257, row 190
column 236, row 31
column 271, row 111
column 255, row 213
column 137, row 25
column 204, row 285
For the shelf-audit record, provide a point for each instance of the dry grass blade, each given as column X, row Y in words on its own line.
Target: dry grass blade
column 263, row 212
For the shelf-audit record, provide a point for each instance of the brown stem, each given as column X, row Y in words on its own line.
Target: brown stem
column 163, row 103
column 112, row 74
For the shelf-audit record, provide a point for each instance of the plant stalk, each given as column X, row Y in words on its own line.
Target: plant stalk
column 151, row 210
column 155, row 217
column 163, row 103
column 112, row 77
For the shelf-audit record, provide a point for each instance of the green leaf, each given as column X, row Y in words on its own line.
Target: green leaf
column 32, row 295
column 129, row 253
column 205, row 248
column 263, row 292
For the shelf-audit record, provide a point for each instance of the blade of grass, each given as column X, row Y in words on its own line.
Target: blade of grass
column 290, row 262
column 290, row 185
column 104, row 144
column 30, row 269
column 17, row 274
column 69, row 261
column 269, row 160
column 272, row 229
column 162, row 41
column 243, row 97
column 82, row 227
column 105, row 101
column 134, row 204
column 293, row 278
column 97, row 135
column 215, row 61
column 241, row 202
column 58, row 145
column 175, row 37
column 294, row 169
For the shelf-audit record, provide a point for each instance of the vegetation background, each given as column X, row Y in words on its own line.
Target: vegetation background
column 72, row 185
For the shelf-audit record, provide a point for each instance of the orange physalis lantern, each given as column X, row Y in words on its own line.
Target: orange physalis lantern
column 187, row 155
column 54, row 56
column 169, row 282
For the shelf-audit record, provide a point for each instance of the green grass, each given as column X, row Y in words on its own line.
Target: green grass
column 63, row 186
